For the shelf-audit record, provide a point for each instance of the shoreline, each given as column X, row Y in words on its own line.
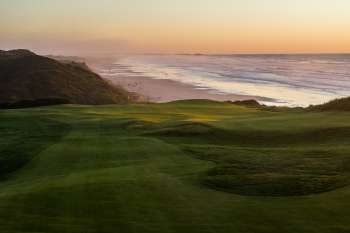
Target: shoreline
column 164, row 90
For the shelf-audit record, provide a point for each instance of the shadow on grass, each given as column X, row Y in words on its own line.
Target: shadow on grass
column 26, row 137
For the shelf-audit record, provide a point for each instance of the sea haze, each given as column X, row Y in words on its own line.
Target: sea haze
column 291, row 80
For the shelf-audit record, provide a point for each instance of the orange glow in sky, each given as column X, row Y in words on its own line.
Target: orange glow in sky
column 182, row 26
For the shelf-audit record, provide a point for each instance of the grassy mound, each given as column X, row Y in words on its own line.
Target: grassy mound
column 22, row 139
column 274, row 172
column 203, row 133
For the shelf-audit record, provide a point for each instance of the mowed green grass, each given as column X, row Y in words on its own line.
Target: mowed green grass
column 189, row 166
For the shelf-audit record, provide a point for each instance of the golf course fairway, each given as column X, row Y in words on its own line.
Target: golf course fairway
column 187, row 166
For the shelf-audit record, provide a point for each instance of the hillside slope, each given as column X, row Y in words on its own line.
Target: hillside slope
column 27, row 76
column 336, row 105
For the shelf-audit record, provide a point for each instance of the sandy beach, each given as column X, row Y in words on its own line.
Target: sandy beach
column 163, row 90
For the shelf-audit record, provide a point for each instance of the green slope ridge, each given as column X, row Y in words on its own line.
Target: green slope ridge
column 177, row 167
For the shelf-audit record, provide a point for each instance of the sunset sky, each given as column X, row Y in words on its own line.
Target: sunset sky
column 176, row 26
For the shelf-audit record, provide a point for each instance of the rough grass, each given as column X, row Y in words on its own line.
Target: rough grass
column 26, row 78
column 338, row 105
column 188, row 166
column 274, row 172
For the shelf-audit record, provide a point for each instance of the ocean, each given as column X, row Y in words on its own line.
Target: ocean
column 286, row 80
